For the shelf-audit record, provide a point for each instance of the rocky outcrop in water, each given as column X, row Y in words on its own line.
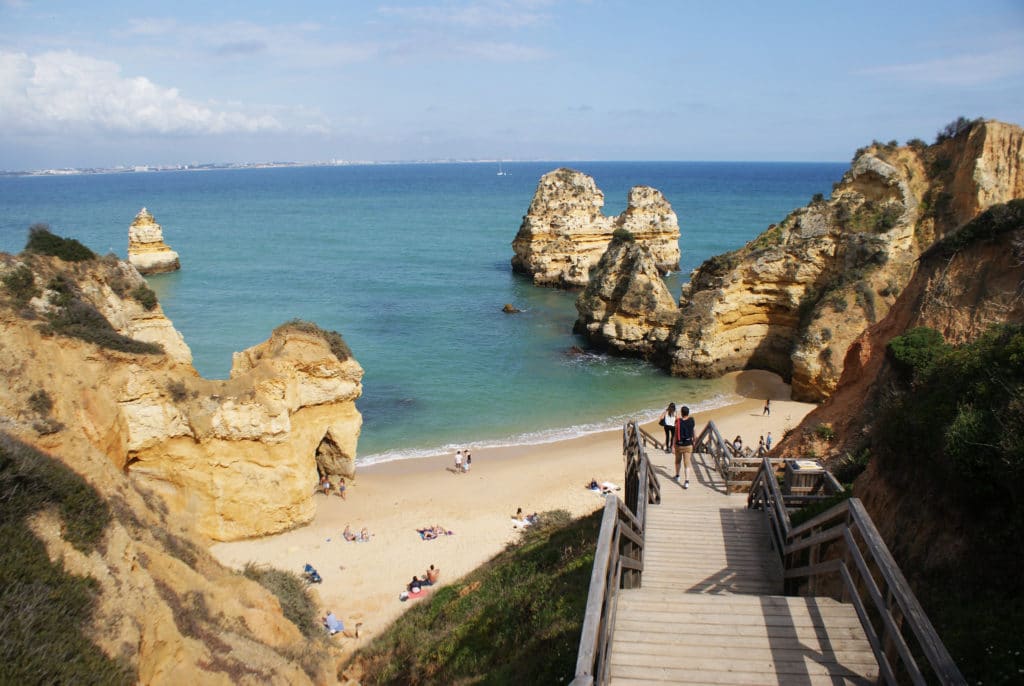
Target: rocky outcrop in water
column 793, row 299
column 626, row 305
column 146, row 248
column 564, row 232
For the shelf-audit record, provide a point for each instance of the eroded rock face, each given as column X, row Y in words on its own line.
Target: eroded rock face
column 239, row 456
column 146, row 248
column 564, row 232
column 793, row 299
column 164, row 605
column 626, row 305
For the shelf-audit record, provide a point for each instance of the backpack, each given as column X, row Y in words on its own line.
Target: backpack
column 684, row 431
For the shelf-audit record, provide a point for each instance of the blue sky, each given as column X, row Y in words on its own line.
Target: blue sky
column 131, row 83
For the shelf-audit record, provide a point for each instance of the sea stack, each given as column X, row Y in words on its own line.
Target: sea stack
column 564, row 233
column 147, row 251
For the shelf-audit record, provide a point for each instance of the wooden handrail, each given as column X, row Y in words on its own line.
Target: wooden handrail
column 844, row 542
column 619, row 558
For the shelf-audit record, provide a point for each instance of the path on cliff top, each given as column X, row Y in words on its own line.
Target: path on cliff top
column 711, row 609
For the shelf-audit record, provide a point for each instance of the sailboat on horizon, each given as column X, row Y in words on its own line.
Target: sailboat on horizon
column 501, row 172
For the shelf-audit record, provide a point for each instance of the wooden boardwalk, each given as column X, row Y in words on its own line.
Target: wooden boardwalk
column 711, row 609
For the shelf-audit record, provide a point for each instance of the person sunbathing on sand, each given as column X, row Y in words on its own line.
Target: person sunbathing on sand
column 348, row 535
column 364, row 535
column 332, row 623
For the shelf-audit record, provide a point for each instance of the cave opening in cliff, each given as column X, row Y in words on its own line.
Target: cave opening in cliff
column 328, row 456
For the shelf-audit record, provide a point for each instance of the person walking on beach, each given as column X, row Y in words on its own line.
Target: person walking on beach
column 768, row 442
column 767, row 407
column 458, row 461
column 668, row 421
column 684, row 444
column 760, row 445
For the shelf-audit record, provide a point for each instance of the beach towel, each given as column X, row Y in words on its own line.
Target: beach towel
column 333, row 624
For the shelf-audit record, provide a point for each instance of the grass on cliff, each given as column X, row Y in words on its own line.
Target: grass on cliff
column 337, row 344
column 45, row 612
column 515, row 620
column 292, row 592
column 43, row 242
column 952, row 436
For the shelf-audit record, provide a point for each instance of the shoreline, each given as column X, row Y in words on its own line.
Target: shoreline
column 362, row 581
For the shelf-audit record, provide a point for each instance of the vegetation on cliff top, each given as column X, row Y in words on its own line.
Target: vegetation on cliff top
column 338, row 345
column 953, row 432
column 515, row 620
column 43, row 242
column 45, row 612
column 987, row 226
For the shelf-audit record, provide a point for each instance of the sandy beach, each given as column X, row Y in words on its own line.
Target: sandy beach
column 362, row 581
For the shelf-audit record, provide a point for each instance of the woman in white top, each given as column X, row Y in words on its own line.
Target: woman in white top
column 668, row 421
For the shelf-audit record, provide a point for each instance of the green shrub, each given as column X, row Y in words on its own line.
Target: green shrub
column 78, row 319
column 825, row 432
column 293, row 594
column 62, row 290
column 718, row 265
column 916, row 351
column 851, row 465
column 46, row 614
column 41, row 241
column 816, row 198
column 514, row 620
column 623, row 235
column 337, row 344
column 809, row 512
column 837, row 300
column 956, row 127
column 145, row 296
column 21, row 285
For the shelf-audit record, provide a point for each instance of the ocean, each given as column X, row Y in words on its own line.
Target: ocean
column 410, row 263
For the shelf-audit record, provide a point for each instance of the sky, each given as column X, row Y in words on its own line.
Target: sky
column 104, row 84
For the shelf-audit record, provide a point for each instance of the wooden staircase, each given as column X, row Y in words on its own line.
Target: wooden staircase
column 711, row 609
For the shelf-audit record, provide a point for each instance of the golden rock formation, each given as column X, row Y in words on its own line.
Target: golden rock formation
column 146, row 248
column 564, row 232
column 626, row 304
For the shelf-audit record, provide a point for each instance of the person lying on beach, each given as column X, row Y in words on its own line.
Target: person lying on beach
column 415, row 585
column 348, row 535
column 332, row 623
column 606, row 488
column 593, row 485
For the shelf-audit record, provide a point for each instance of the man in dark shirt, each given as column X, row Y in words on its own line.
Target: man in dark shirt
column 684, row 444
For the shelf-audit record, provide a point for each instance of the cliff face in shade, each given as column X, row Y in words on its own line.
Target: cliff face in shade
column 794, row 299
column 626, row 305
column 564, row 232
column 239, row 456
column 146, row 248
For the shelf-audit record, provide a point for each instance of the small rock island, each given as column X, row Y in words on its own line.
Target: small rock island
column 147, row 251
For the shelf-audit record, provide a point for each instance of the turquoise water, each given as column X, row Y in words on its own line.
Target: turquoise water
column 411, row 264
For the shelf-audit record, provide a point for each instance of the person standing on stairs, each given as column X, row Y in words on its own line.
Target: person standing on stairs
column 684, row 444
column 668, row 421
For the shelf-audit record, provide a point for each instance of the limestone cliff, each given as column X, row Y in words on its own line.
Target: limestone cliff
column 963, row 285
column 239, row 456
column 175, row 457
column 793, row 299
column 626, row 305
column 146, row 248
column 564, row 232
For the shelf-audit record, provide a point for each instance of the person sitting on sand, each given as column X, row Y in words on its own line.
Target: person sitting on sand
column 519, row 515
column 332, row 623
column 593, row 485
column 737, row 443
column 428, row 534
column 364, row 535
column 348, row 535
column 432, row 575
column 414, row 585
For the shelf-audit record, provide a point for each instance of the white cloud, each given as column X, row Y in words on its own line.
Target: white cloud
column 962, row 70
column 476, row 15
column 67, row 92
